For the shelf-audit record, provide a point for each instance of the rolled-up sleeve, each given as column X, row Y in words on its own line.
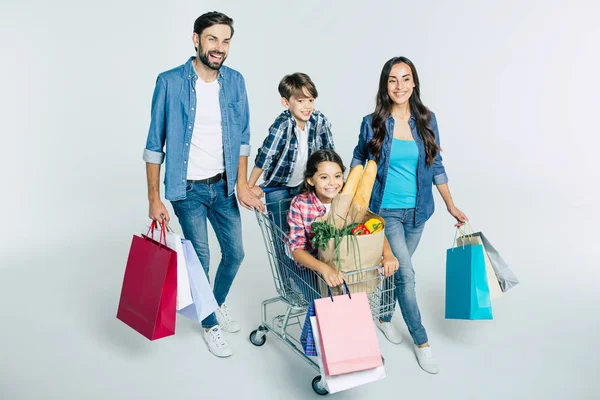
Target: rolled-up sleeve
column 439, row 172
column 361, row 151
column 155, row 142
column 297, row 235
column 245, row 147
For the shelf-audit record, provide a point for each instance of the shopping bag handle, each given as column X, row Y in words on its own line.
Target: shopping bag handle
column 463, row 232
column 163, row 231
column 345, row 286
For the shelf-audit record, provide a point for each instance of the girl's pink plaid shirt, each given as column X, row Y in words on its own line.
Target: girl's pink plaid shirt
column 304, row 210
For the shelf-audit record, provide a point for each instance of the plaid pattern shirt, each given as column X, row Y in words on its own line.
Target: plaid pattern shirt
column 277, row 155
column 306, row 338
column 304, row 210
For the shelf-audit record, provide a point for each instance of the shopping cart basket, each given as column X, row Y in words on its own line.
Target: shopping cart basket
column 298, row 286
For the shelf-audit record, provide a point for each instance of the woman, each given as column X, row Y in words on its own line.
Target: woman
column 402, row 137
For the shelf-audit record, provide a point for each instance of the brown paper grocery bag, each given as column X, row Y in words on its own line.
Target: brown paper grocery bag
column 355, row 253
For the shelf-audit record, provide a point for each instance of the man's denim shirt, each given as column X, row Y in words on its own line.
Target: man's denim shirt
column 426, row 176
column 173, row 114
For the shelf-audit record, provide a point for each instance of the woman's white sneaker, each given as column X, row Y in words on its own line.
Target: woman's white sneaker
column 216, row 342
column 425, row 359
column 389, row 331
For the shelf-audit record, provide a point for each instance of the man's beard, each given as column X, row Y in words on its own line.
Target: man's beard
column 204, row 58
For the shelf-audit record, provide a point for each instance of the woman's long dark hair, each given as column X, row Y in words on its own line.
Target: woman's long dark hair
column 312, row 165
column 383, row 109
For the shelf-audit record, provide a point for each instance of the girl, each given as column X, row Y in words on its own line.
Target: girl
column 323, row 180
column 402, row 137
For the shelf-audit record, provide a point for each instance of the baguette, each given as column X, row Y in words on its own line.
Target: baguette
column 353, row 180
column 342, row 203
column 362, row 197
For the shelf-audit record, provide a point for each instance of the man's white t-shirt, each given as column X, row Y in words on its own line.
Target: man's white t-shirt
column 206, row 151
column 301, row 157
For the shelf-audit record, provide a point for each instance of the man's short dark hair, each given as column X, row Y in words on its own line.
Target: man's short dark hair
column 212, row 18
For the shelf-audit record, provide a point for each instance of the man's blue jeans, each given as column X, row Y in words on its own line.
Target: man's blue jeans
column 403, row 235
column 210, row 201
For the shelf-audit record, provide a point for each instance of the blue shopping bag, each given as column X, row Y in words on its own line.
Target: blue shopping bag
column 467, row 290
column 204, row 302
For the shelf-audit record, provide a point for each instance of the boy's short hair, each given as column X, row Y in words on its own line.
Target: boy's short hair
column 294, row 84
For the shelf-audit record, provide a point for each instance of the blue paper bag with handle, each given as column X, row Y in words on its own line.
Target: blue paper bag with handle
column 204, row 302
column 467, row 290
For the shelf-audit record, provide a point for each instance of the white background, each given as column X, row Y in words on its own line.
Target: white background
column 514, row 86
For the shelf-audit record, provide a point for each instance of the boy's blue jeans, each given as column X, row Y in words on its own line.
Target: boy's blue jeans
column 278, row 204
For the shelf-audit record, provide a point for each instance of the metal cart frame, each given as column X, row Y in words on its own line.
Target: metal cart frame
column 296, row 286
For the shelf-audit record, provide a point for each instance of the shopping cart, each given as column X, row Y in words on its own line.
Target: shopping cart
column 297, row 287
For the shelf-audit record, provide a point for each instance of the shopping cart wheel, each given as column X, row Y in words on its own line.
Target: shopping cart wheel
column 258, row 337
column 316, row 385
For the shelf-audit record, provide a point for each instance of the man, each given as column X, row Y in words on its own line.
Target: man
column 200, row 109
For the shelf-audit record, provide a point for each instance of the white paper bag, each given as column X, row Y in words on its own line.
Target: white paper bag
column 493, row 284
column 184, row 294
column 204, row 299
column 337, row 383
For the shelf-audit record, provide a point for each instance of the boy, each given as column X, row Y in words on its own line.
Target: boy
column 297, row 132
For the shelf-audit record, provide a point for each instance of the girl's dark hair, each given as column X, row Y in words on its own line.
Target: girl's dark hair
column 312, row 165
column 383, row 109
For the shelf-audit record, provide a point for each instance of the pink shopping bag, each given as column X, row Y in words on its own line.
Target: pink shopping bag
column 348, row 338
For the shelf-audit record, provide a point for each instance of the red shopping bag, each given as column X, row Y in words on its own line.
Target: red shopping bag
column 348, row 338
column 149, row 290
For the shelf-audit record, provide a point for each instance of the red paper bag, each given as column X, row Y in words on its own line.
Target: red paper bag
column 149, row 289
column 348, row 338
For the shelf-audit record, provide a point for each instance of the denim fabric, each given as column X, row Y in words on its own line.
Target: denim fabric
column 172, row 123
column 211, row 202
column 426, row 176
column 278, row 204
column 307, row 283
column 403, row 235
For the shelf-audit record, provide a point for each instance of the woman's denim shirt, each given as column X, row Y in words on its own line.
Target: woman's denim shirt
column 426, row 176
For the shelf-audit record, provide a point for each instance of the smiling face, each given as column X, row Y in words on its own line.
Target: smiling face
column 300, row 107
column 400, row 83
column 213, row 45
column 327, row 181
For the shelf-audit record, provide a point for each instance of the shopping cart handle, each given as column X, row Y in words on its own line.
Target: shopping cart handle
column 345, row 286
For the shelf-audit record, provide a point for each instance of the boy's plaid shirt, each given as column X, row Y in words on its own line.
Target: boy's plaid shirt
column 277, row 156
column 304, row 210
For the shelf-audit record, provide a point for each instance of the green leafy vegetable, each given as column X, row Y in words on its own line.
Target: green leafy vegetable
column 323, row 232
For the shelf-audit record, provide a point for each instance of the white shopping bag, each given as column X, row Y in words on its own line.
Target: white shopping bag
column 184, row 295
column 337, row 383
column 204, row 299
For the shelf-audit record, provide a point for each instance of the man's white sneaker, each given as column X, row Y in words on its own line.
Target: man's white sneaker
column 216, row 342
column 226, row 320
column 425, row 359
column 389, row 331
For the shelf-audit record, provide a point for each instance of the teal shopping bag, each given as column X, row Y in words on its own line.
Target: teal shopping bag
column 467, row 290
